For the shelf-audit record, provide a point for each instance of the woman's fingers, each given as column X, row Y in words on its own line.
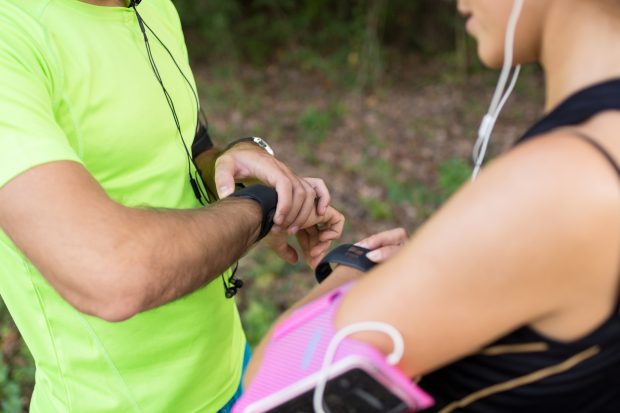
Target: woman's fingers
column 382, row 254
column 392, row 237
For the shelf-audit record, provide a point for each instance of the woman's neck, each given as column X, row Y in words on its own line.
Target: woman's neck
column 579, row 48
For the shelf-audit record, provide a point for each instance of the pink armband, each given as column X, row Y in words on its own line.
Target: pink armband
column 292, row 365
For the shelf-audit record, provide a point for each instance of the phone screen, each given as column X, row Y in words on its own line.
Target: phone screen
column 354, row 391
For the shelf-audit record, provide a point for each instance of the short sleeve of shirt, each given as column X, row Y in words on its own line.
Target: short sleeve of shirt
column 29, row 133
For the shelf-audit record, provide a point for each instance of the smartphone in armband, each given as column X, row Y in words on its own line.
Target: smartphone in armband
column 360, row 380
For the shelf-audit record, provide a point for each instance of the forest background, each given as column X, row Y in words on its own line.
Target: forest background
column 381, row 98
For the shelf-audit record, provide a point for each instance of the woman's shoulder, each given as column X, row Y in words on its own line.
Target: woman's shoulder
column 569, row 190
column 576, row 164
column 544, row 218
column 568, row 182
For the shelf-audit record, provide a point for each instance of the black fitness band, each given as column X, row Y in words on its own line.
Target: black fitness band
column 267, row 198
column 346, row 254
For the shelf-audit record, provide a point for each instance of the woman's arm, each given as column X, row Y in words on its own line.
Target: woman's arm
column 534, row 241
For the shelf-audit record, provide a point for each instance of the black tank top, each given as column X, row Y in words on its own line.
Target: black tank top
column 526, row 371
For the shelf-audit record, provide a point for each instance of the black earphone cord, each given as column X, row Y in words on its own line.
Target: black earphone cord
column 234, row 283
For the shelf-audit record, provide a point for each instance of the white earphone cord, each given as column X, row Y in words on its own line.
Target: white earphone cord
column 394, row 358
column 500, row 97
column 501, row 94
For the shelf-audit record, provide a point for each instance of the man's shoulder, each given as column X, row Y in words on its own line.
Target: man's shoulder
column 26, row 11
column 20, row 20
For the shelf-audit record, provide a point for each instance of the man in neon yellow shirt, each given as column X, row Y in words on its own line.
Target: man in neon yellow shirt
column 106, row 256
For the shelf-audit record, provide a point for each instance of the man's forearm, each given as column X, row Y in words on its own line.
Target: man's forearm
column 180, row 251
column 113, row 261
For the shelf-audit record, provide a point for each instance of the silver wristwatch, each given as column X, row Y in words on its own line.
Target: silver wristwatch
column 260, row 142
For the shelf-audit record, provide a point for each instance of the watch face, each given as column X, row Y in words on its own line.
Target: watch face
column 261, row 142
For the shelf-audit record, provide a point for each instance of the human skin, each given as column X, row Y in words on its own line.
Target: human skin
column 534, row 240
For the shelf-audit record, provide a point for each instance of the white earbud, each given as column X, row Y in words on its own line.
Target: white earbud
column 501, row 95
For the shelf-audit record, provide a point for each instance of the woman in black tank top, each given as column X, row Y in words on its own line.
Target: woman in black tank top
column 508, row 297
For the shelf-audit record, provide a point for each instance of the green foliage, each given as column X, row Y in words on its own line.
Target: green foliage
column 379, row 210
column 452, row 174
column 257, row 318
column 263, row 31
column 315, row 125
column 16, row 366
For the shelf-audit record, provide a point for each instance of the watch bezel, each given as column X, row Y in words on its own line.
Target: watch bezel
column 263, row 144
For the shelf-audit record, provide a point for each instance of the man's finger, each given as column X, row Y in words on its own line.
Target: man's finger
column 304, row 240
column 284, row 189
column 332, row 229
column 320, row 249
column 289, row 254
column 279, row 244
column 323, row 197
column 307, row 207
column 298, row 199
column 224, row 176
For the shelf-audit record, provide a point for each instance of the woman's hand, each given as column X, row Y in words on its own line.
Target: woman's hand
column 384, row 244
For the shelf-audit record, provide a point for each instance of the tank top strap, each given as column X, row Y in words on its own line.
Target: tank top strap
column 593, row 142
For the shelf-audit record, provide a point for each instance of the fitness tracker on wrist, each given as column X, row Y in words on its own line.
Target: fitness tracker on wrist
column 260, row 142
column 267, row 198
column 346, row 254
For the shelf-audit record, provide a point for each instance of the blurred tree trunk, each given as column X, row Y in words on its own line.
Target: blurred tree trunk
column 371, row 59
column 461, row 46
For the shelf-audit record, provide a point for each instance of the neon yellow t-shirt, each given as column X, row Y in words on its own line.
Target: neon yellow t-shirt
column 76, row 84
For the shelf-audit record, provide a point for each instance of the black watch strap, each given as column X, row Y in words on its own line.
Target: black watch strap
column 267, row 198
column 346, row 254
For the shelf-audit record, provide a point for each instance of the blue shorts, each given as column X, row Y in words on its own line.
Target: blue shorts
column 237, row 396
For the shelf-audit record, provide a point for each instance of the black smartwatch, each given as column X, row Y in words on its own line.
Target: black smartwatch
column 347, row 254
column 267, row 198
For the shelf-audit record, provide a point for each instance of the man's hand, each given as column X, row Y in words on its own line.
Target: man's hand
column 384, row 244
column 298, row 198
column 314, row 238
